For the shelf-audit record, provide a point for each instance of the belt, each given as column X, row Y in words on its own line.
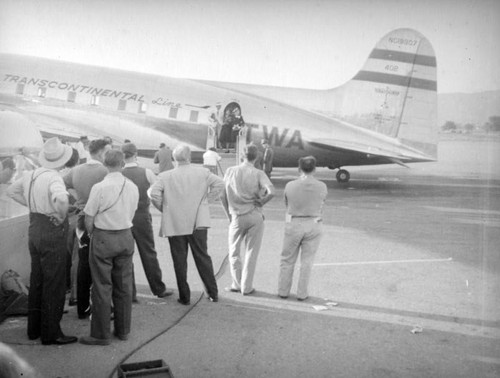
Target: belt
column 111, row 231
column 314, row 218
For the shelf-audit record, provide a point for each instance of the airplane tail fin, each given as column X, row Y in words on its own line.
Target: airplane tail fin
column 395, row 93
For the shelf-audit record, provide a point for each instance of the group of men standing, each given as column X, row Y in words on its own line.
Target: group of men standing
column 113, row 211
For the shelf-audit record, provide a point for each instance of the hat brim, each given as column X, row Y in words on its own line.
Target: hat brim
column 53, row 164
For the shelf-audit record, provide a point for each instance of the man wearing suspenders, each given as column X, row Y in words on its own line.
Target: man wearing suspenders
column 44, row 193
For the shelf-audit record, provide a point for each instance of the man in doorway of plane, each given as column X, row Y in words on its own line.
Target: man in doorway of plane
column 163, row 157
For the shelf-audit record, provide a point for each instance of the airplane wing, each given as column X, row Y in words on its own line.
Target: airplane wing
column 406, row 154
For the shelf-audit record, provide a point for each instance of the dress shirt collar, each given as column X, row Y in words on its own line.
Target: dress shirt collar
column 93, row 161
column 113, row 175
column 130, row 165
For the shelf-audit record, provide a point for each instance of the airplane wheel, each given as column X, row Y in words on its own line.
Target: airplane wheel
column 343, row 176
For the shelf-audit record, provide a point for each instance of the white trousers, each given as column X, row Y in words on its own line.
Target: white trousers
column 249, row 229
column 304, row 235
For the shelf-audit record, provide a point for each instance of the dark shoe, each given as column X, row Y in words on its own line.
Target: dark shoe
column 250, row 292
column 302, row 299
column 120, row 336
column 63, row 340
column 187, row 303
column 166, row 293
column 232, row 290
column 213, row 299
column 72, row 302
column 33, row 337
column 283, row 296
column 86, row 314
column 89, row 340
column 135, row 300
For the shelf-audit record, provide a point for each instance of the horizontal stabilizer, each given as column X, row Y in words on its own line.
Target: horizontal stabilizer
column 397, row 157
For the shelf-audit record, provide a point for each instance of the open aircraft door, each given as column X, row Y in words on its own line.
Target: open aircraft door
column 232, row 129
column 241, row 142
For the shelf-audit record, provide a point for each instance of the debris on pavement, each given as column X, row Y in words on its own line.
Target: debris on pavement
column 331, row 303
column 320, row 308
column 417, row 329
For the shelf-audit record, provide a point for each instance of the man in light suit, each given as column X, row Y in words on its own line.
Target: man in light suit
column 181, row 195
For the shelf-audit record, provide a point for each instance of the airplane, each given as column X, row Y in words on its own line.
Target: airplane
column 386, row 114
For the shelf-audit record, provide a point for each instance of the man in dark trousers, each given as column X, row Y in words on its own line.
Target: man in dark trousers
column 163, row 157
column 82, row 178
column 45, row 195
column 142, row 228
column 267, row 159
column 181, row 196
column 108, row 218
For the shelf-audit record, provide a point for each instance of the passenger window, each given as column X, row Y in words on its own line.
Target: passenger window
column 122, row 104
column 193, row 117
column 71, row 96
column 42, row 92
column 173, row 112
column 20, row 89
column 143, row 107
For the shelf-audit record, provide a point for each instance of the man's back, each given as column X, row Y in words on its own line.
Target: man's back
column 305, row 196
column 184, row 194
column 244, row 184
column 82, row 178
column 138, row 176
column 164, row 158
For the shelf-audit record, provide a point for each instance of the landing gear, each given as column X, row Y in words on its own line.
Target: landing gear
column 343, row 176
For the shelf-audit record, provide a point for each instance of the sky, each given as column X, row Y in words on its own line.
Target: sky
column 294, row 43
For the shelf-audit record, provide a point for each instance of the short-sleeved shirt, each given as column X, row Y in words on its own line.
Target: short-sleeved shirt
column 46, row 185
column 244, row 184
column 305, row 196
column 113, row 202
column 83, row 177
column 211, row 158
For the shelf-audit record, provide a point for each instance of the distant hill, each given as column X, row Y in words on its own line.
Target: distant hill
column 463, row 108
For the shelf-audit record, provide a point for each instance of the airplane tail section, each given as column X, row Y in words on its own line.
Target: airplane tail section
column 395, row 93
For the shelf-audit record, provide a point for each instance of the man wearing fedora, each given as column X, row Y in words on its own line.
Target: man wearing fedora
column 44, row 193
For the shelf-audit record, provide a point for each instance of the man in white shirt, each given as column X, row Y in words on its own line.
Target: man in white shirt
column 211, row 160
column 108, row 218
column 247, row 190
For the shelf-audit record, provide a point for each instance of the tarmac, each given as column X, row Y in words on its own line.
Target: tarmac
column 405, row 284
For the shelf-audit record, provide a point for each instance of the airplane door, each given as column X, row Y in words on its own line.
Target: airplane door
column 233, row 130
column 211, row 136
column 241, row 141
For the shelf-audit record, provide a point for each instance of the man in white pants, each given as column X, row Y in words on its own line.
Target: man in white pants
column 247, row 189
column 304, row 199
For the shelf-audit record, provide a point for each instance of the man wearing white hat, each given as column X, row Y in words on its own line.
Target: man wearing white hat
column 44, row 193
